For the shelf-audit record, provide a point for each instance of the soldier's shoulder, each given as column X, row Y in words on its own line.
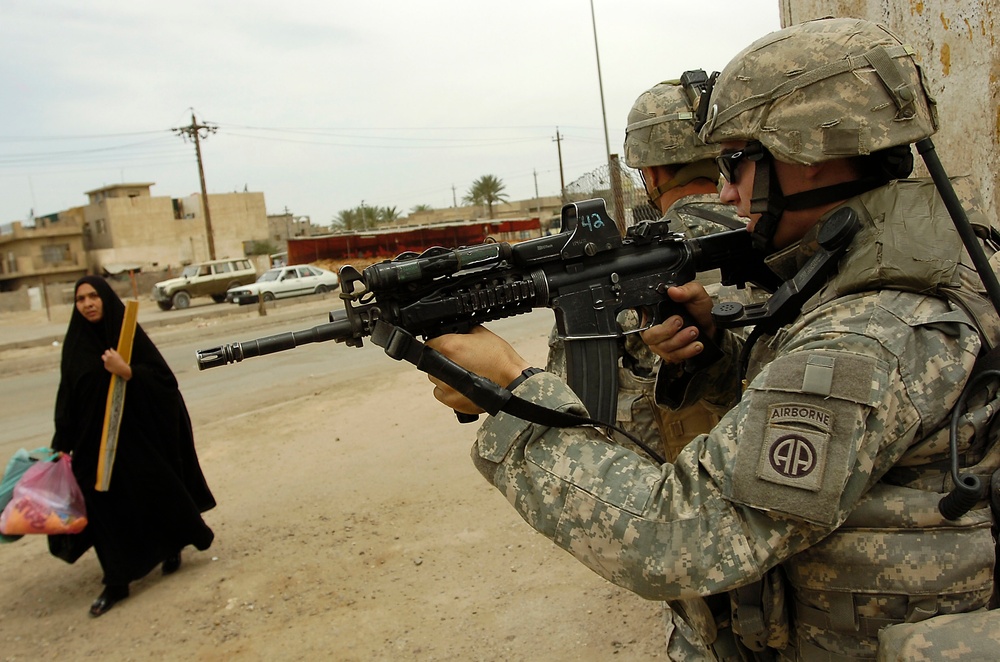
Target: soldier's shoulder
column 696, row 215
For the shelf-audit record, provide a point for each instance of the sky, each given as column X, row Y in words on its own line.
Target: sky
column 327, row 105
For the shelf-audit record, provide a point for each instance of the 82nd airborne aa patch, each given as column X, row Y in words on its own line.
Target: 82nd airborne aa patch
column 796, row 443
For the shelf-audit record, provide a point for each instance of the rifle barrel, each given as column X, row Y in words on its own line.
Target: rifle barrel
column 338, row 330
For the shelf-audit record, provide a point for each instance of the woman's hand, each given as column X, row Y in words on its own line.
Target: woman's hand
column 482, row 352
column 671, row 340
column 115, row 364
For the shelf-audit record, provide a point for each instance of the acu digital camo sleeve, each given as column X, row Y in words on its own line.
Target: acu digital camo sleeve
column 850, row 386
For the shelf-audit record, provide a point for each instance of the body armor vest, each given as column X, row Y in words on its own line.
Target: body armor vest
column 896, row 559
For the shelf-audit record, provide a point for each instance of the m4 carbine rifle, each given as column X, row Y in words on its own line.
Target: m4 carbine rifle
column 587, row 274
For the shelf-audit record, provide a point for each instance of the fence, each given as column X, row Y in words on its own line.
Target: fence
column 622, row 191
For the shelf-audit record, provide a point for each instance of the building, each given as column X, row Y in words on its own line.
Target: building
column 124, row 225
column 52, row 251
column 285, row 226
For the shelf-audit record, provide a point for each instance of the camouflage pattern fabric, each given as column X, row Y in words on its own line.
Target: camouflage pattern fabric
column 834, row 401
column 660, row 129
column 692, row 216
column 966, row 637
column 821, row 90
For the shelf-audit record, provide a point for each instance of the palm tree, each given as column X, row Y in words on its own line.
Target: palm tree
column 486, row 190
column 387, row 215
column 347, row 220
column 364, row 217
column 419, row 208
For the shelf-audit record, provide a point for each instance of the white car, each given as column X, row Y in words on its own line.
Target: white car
column 291, row 281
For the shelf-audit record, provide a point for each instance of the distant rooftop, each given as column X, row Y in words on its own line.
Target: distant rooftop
column 116, row 187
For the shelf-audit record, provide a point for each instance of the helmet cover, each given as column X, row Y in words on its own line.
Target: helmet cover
column 821, row 90
column 661, row 128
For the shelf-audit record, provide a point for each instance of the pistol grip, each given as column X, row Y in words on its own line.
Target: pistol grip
column 711, row 352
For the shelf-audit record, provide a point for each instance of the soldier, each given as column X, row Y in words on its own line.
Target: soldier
column 677, row 168
column 814, row 502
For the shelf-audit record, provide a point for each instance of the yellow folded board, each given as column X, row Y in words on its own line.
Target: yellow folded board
column 116, row 401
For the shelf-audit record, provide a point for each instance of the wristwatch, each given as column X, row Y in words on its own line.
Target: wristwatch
column 527, row 372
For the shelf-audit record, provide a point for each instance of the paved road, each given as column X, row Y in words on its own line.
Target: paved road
column 35, row 328
column 28, row 396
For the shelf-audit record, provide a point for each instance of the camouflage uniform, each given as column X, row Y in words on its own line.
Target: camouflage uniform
column 820, row 485
column 660, row 132
column 865, row 377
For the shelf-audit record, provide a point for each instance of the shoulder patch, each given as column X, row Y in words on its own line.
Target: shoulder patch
column 800, row 426
column 796, row 443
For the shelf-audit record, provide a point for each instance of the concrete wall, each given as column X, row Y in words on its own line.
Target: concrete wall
column 244, row 218
column 15, row 301
column 956, row 44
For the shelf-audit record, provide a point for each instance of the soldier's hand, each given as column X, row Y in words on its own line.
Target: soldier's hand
column 482, row 352
column 671, row 340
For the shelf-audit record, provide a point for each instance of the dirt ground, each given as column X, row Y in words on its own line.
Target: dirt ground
column 381, row 543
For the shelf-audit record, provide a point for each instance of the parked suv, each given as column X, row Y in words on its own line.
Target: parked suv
column 203, row 279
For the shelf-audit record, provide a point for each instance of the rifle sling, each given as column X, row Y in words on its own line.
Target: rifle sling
column 533, row 413
column 401, row 345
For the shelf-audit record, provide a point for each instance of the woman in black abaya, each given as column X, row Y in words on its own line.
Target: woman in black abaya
column 153, row 506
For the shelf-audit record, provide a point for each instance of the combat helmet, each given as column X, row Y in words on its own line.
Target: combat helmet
column 820, row 90
column 661, row 125
column 826, row 89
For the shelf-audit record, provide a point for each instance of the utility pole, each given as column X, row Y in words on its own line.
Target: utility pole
column 193, row 131
column 600, row 84
column 562, row 181
column 454, row 200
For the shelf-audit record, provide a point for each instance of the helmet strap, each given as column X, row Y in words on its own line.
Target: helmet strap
column 768, row 201
column 834, row 193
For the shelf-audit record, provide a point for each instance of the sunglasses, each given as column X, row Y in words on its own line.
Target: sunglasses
column 730, row 161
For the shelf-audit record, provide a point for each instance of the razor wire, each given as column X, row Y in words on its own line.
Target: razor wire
column 613, row 181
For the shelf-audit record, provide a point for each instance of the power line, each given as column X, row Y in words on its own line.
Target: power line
column 482, row 142
column 107, row 153
column 96, row 155
column 83, row 137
